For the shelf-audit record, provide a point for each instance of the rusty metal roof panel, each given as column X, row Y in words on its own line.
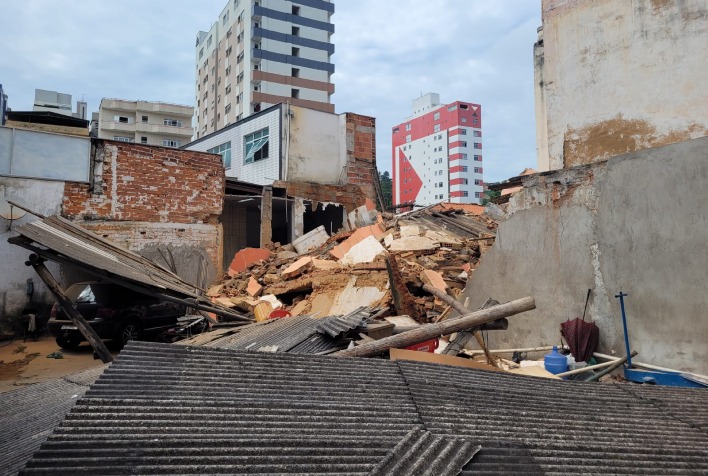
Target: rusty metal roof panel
column 527, row 424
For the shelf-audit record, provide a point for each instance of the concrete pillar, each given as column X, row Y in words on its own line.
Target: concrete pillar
column 267, row 216
column 298, row 221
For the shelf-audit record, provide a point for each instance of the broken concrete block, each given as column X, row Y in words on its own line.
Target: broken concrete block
column 253, row 289
column 413, row 243
column 363, row 252
column 288, row 247
column 272, row 300
column 215, row 291
column 271, row 278
column 311, row 240
column 287, row 255
column 361, row 233
column 297, row 268
column 325, row 264
column 410, row 230
column 224, row 301
column 244, row 303
column 246, row 257
column 434, row 279
column 299, row 308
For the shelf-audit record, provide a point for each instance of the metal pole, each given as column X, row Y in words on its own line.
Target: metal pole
column 621, row 296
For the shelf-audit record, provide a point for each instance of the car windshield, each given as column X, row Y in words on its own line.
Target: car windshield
column 104, row 294
column 80, row 293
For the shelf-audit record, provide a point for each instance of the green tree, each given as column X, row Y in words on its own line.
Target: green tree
column 386, row 188
column 489, row 194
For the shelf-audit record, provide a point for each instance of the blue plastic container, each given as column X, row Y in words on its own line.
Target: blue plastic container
column 555, row 362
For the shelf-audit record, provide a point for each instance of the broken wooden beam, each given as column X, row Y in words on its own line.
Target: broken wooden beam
column 432, row 331
column 86, row 330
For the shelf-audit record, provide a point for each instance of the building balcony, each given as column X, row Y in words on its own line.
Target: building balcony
column 118, row 105
column 117, row 126
column 164, row 130
column 165, row 108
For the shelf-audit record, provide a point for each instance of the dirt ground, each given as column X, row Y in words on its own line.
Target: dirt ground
column 23, row 363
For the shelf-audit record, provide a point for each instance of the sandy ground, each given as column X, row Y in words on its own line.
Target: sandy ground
column 23, row 363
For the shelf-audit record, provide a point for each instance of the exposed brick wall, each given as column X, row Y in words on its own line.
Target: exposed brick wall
column 361, row 152
column 185, row 241
column 146, row 183
column 350, row 196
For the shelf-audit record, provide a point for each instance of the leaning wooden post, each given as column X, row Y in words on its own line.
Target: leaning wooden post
column 71, row 310
column 267, row 216
column 431, row 331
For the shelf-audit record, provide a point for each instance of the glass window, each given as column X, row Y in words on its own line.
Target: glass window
column 256, row 146
column 225, row 151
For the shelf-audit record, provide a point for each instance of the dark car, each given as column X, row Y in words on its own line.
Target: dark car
column 114, row 312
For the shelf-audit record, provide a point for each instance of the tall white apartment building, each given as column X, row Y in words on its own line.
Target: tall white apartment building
column 144, row 122
column 437, row 153
column 261, row 53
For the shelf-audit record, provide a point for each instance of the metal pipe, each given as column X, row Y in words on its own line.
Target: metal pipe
column 621, row 296
column 611, row 368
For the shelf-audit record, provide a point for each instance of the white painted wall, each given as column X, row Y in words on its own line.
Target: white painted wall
column 42, row 196
column 621, row 76
column 314, row 152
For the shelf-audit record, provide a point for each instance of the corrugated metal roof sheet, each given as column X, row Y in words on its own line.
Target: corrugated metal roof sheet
column 283, row 333
column 29, row 414
column 336, row 325
column 166, row 409
column 58, row 239
column 532, row 425
column 420, row 453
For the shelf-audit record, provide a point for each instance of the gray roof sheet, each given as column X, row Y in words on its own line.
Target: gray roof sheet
column 166, row 409
column 28, row 415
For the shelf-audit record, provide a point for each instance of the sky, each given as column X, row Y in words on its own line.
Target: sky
column 387, row 53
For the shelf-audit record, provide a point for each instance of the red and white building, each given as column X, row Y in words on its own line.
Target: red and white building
column 437, row 153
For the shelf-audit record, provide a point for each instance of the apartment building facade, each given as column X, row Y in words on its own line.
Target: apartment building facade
column 144, row 122
column 261, row 53
column 437, row 153
column 60, row 103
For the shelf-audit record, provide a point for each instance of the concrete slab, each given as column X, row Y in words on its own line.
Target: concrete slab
column 413, row 243
column 311, row 240
column 297, row 268
column 363, row 252
column 359, row 234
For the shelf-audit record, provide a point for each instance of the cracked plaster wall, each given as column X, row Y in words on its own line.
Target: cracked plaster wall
column 638, row 223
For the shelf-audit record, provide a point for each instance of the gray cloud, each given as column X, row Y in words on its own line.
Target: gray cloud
column 387, row 53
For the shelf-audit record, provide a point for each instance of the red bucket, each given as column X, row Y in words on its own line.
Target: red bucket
column 427, row 346
column 279, row 314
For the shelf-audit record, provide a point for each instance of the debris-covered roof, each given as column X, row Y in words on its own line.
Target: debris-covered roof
column 168, row 409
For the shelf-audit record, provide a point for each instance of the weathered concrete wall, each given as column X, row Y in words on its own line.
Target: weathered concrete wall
column 72, row 131
column 43, row 196
column 146, row 197
column 638, row 223
column 621, row 76
column 313, row 147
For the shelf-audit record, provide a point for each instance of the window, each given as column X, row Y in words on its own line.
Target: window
column 477, row 145
column 465, row 181
column 255, row 146
column 228, row 89
column 477, row 133
column 296, row 51
column 464, row 120
column 436, row 128
column 257, row 46
column 121, row 119
column 227, row 109
column 226, row 18
column 255, row 87
column 477, row 194
column 170, row 143
column 478, row 158
column 239, row 78
column 296, row 31
column 475, row 121
column 228, row 70
column 296, row 10
column 463, row 132
column 436, row 116
column 123, row 139
column 239, row 58
column 172, row 123
column 463, row 143
column 452, row 108
column 408, row 138
column 439, row 136
column 295, row 72
column 408, row 127
column 225, row 151
column 295, row 93
column 463, row 168
column 228, row 33
column 145, row 119
column 440, row 184
column 201, row 53
column 463, row 106
column 478, row 182
column 464, row 156
column 478, row 170
column 239, row 117
column 465, row 193
column 143, row 140
column 229, row 50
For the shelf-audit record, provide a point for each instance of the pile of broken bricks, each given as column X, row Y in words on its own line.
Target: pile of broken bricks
column 382, row 264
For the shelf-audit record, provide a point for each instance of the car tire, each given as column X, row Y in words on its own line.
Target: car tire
column 68, row 343
column 127, row 331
